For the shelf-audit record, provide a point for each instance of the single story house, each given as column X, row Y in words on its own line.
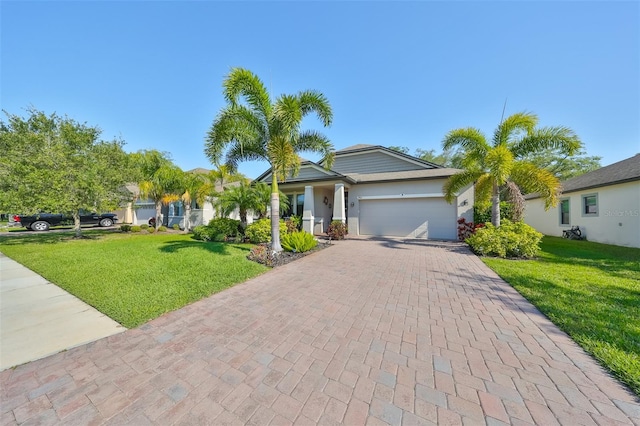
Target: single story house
column 140, row 210
column 604, row 203
column 376, row 191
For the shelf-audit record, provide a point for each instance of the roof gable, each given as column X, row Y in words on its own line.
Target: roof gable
column 308, row 171
column 376, row 159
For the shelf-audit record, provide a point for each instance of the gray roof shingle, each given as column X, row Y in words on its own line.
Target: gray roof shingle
column 623, row 171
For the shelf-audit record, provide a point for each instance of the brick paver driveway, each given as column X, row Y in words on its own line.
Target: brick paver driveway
column 364, row 332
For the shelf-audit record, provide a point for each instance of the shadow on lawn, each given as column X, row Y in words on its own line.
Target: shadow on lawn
column 621, row 262
column 51, row 237
column 212, row 247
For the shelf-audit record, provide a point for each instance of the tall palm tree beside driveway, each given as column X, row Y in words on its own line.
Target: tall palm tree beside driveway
column 252, row 126
column 500, row 163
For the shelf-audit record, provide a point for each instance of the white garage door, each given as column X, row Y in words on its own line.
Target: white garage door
column 431, row 218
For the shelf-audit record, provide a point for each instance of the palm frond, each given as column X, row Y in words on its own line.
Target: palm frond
column 483, row 191
column 249, row 151
column 499, row 162
column 457, row 182
column 558, row 138
column 243, row 83
column 514, row 127
column 314, row 101
column 471, row 141
column 233, row 124
column 283, row 158
column 287, row 115
column 312, row 141
column 532, row 179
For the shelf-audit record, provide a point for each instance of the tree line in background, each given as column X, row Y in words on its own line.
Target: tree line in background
column 563, row 166
column 56, row 164
column 51, row 163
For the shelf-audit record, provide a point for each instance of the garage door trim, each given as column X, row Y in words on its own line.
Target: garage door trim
column 399, row 196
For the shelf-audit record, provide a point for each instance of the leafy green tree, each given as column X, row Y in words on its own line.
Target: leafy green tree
column 402, row 149
column 252, row 127
column 158, row 179
column 447, row 158
column 564, row 166
column 492, row 165
column 56, row 164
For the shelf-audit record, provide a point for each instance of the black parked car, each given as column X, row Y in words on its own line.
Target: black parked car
column 43, row 221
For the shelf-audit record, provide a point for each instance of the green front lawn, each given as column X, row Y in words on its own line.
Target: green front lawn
column 133, row 278
column 589, row 290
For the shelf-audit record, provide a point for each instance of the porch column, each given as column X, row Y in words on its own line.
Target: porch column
column 338, row 203
column 128, row 213
column 307, row 212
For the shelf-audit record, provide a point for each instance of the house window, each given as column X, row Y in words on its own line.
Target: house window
column 564, row 212
column 299, row 204
column 289, row 210
column 590, row 205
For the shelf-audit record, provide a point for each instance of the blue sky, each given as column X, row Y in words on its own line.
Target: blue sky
column 396, row 73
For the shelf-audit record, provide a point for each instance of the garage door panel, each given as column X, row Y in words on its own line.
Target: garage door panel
column 412, row 218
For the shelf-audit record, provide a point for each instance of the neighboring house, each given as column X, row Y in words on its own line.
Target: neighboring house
column 376, row 191
column 604, row 203
column 140, row 210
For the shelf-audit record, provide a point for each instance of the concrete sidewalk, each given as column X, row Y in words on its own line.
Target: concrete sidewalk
column 38, row 319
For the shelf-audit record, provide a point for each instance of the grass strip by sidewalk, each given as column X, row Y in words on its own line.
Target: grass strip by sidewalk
column 133, row 278
column 589, row 290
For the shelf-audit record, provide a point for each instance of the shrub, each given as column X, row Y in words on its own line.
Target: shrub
column 203, row 233
column 162, row 228
column 228, row 228
column 136, row 228
column 511, row 239
column 151, row 229
column 261, row 254
column 260, row 231
column 465, row 229
column 125, row 228
column 144, row 226
column 483, row 215
column 337, row 230
column 176, row 227
column 295, row 222
column 298, row 242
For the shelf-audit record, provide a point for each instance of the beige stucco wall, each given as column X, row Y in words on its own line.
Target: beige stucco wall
column 617, row 222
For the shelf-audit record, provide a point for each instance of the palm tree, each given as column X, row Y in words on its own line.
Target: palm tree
column 219, row 178
column 162, row 187
column 492, row 166
column 242, row 197
column 252, row 127
column 263, row 192
column 194, row 188
column 157, row 177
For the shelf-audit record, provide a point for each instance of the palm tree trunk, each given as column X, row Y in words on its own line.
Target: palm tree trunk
column 187, row 216
column 275, row 214
column 158, row 212
column 243, row 218
column 495, row 205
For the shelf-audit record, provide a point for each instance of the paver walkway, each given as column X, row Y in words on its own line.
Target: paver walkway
column 38, row 319
column 364, row 332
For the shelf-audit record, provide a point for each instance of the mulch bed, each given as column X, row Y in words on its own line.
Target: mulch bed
column 285, row 257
